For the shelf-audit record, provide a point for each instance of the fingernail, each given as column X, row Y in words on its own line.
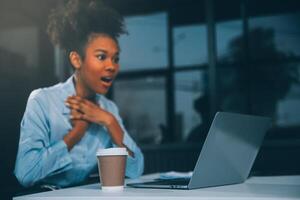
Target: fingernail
column 67, row 104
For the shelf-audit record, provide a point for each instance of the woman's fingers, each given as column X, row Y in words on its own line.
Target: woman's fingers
column 75, row 103
column 84, row 109
column 81, row 116
column 77, row 99
column 73, row 106
column 74, row 99
column 77, row 115
column 81, row 104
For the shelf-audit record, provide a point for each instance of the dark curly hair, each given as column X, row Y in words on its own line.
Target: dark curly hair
column 71, row 26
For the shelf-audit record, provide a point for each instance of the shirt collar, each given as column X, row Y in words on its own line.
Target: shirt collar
column 69, row 90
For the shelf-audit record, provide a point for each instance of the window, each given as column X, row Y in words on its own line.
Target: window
column 225, row 33
column 146, row 45
column 233, row 88
column 142, row 106
column 275, row 51
column 190, row 45
column 287, row 114
column 141, row 99
column 189, row 88
column 233, row 81
column 280, row 31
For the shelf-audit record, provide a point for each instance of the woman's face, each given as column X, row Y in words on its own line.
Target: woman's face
column 100, row 64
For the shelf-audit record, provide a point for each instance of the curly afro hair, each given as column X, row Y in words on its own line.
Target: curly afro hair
column 71, row 26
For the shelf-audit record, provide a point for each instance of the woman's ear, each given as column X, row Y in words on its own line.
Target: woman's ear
column 75, row 59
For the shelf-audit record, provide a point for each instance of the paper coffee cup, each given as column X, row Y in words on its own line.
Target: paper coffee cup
column 112, row 166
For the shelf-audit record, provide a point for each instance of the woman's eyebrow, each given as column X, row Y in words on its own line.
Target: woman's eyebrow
column 105, row 51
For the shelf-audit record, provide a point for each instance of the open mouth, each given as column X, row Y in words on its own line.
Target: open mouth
column 106, row 79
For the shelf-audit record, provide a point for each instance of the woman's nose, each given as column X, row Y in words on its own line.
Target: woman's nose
column 111, row 66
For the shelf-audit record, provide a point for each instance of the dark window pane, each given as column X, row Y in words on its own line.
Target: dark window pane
column 275, row 36
column 268, row 89
column 226, row 33
column 142, row 107
column 288, row 108
column 270, row 83
column 190, row 87
column 146, row 45
column 233, row 89
column 190, row 45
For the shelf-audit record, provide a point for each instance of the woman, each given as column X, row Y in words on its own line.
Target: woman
column 65, row 124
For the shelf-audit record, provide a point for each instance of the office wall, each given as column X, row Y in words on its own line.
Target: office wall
column 26, row 63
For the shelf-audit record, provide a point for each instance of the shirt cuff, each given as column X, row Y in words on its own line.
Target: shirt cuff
column 134, row 165
column 130, row 144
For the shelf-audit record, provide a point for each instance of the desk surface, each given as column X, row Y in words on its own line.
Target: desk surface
column 272, row 187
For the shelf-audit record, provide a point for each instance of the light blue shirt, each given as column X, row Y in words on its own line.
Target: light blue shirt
column 43, row 155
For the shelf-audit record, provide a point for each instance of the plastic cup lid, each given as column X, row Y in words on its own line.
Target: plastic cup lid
column 118, row 151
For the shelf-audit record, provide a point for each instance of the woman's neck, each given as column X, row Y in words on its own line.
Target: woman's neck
column 81, row 89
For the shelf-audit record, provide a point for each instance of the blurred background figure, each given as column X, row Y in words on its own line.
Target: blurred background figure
column 199, row 132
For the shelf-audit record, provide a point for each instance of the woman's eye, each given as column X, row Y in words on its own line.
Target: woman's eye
column 101, row 57
column 116, row 60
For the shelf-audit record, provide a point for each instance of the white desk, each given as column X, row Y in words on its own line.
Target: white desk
column 276, row 187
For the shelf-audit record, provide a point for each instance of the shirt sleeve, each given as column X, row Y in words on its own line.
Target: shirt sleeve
column 37, row 158
column 134, row 165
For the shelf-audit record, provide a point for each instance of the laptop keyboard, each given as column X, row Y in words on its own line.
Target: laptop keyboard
column 176, row 181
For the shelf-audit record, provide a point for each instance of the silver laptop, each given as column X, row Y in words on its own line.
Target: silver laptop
column 227, row 155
